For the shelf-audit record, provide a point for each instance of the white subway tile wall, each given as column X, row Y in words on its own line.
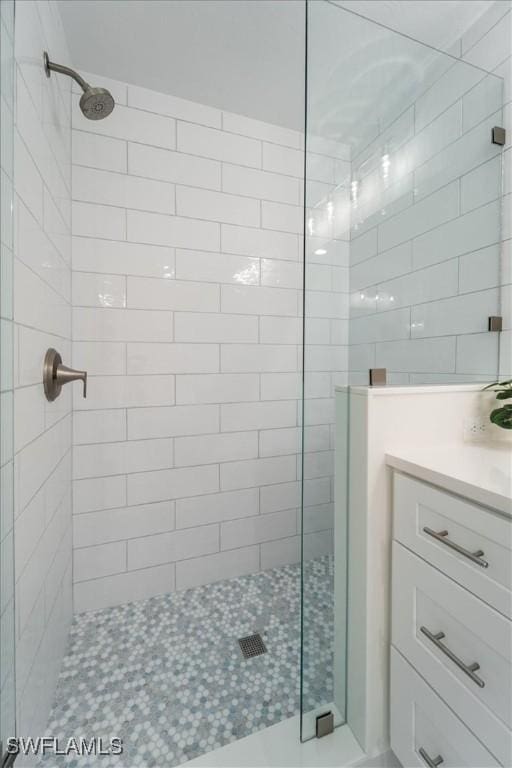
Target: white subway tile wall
column 492, row 38
column 42, row 318
column 7, row 581
column 426, row 252
column 187, row 313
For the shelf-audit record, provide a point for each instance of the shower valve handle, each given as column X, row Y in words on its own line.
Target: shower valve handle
column 64, row 374
column 55, row 374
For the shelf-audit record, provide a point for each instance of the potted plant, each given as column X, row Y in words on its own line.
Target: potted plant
column 502, row 416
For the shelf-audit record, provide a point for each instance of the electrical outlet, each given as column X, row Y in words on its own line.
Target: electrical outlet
column 475, row 428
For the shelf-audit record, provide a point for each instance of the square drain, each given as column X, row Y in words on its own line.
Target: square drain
column 252, row 645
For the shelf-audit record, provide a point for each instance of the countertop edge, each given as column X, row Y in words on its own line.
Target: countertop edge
column 487, row 498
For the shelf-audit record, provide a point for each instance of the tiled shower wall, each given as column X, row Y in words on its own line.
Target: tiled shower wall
column 7, row 672
column 426, row 256
column 42, row 319
column 491, row 45
column 187, row 314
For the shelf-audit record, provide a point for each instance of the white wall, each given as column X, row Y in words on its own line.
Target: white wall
column 42, row 317
column 425, row 249
column 7, row 676
column 187, row 277
column 326, row 329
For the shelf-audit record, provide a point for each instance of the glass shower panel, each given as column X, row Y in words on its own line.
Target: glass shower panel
column 402, row 270
column 425, row 234
column 7, row 680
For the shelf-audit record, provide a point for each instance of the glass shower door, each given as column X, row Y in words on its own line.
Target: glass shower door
column 324, row 489
column 402, row 271
column 7, row 679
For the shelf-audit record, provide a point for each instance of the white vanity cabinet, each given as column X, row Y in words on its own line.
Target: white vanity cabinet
column 451, row 653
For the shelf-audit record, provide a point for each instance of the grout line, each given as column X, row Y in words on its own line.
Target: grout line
column 426, row 232
column 479, row 40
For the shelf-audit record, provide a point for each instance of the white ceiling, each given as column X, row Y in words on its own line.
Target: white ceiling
column 247, row 56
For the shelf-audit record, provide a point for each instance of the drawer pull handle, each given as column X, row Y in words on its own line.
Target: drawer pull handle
column 468, row 669
column 432, row 763
column 442, row 537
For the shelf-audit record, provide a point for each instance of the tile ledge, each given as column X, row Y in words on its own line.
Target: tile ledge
column 410, row 389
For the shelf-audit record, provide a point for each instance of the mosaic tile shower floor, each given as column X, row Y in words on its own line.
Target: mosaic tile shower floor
column 166, row 675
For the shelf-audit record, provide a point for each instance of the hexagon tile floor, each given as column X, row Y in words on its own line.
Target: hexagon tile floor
column 166, row 675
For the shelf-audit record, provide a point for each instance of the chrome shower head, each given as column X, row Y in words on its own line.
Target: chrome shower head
column 95, row 103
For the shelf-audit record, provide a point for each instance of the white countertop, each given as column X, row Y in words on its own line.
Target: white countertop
column 481, row 473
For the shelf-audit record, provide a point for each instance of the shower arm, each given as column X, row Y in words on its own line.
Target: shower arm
column 49, row 66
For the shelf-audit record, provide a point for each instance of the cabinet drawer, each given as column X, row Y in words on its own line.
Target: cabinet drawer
column 445, row 632
column 421, row 511
column 420, row 720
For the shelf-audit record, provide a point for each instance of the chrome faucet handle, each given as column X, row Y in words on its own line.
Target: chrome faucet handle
column 55, row 374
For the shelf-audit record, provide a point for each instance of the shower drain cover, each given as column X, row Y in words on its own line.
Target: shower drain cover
column 252, row 645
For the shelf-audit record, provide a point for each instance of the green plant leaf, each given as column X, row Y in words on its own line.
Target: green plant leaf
column 502, row 417
column 507, row 383
column 504, row 395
